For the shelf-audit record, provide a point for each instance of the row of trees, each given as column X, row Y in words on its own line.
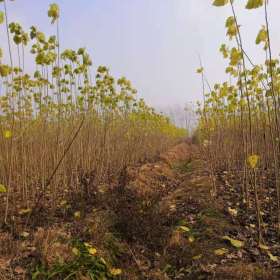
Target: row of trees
column 240, row 120
column 62, row 123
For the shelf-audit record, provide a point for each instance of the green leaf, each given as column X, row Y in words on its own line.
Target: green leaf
column 219, row 3
column 2, row 17
column 234, row 242
column 3, row 189
column 254, row 4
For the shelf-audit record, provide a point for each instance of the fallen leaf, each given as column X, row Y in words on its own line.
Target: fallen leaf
column 75, row 251
column 24, row 211
column 232, row 211
column 7, row 134
column 92, row 251
column 24, row 234
column 184, row 228
column 116, row 271
column 63, row 203
column 172, row 207
column 19, row 270
column 77, row 214
column 272, row 257
column 253, row 161
column 221, row 252
column 234, row 242
column 263, row 247
column 197, row 257
column 3, row 189
column 191, row 239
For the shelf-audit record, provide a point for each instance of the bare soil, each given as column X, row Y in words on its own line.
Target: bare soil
column 158, row 221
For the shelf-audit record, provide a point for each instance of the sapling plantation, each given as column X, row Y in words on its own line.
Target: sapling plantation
column 240, row 122
column 96, row 184
column 62, row 121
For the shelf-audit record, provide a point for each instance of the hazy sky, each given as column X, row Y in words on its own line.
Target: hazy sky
column 154, row 43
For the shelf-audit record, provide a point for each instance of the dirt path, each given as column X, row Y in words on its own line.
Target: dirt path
column 184, row 232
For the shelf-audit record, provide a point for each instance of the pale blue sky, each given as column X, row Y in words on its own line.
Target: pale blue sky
column 154, row 43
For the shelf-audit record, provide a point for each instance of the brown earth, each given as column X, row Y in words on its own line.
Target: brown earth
column 159, row 221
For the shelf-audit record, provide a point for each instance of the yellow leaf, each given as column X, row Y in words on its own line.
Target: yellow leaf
column 53, row 12
column 24, row 234
column 24, row 211
column 184, row 228
column 116, row 271
column 7, row 134
column 197, row 257
column 234, row 242
column 172, row 207
column 77, row 214
column 235, row 56
column 92, row 251
column 191, row 239
column 254, row 4
column 263, row 247
column 75, row 251
column 63, row 203
column 232, row 211
column 87, row 245
column 253, row 161
column 262, row 36
column 231, row 27
column 272, row 257
column 2, row 17
column 2, row 189
column 220, row 3
column 221, row 252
